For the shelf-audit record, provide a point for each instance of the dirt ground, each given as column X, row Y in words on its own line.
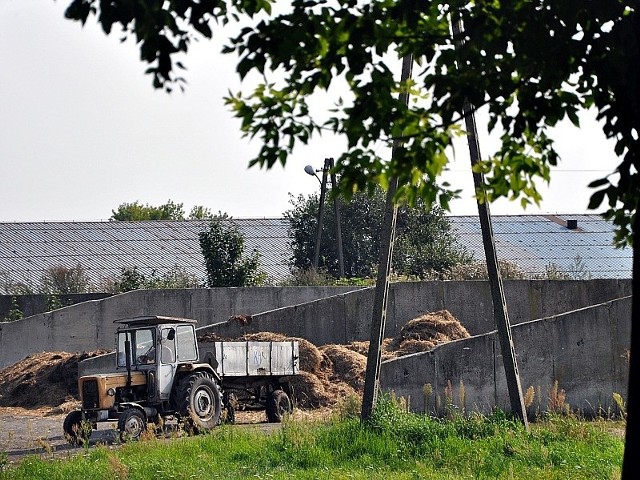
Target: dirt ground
column 32, row 423
column 37, row 432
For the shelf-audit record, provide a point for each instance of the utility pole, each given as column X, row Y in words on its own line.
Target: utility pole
column 500, row 313
column 323, row 193
column 379, row 317
column 326, row 169
column 336, row 211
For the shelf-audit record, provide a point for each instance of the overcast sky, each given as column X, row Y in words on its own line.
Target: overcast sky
column 82, row 131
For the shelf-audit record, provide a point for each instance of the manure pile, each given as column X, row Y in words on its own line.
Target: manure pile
column 328, row 373
column 42, row 379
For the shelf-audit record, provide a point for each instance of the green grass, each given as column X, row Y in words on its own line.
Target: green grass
column 395, row 445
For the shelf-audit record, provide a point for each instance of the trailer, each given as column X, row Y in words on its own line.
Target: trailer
column 254, row 375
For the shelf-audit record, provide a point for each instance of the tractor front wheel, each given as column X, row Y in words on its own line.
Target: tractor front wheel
column 131, row 424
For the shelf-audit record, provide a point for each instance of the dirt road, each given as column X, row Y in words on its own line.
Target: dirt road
column 39, row 432
column 36, row 432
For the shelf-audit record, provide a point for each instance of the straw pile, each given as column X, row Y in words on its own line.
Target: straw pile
column 328, row 373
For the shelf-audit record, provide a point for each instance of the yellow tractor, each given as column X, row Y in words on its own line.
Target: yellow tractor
column 158, row 375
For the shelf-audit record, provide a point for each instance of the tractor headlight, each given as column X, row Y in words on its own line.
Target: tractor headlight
column 111, row 392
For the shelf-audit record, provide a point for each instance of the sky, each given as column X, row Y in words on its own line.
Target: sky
column 82, row 131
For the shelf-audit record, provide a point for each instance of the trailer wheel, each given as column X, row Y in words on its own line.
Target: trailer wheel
column 278, row 405
column 131, row 424
column 76, row 431
column 198, row 401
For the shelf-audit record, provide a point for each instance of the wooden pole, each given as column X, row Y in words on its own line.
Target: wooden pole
column 323, row 193
column 336, row 210
column 500, row 312
column 379, row 317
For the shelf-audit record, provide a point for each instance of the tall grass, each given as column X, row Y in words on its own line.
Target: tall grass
column 394, row 444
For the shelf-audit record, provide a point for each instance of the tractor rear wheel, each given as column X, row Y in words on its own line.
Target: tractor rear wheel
column 198, row 401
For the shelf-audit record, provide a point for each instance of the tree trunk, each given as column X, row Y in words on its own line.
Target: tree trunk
column 631, row 461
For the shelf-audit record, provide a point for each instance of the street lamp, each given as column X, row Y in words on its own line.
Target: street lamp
column 311, row 171
column 328, row 165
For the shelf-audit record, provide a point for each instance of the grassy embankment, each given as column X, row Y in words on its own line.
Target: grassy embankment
column 396, row 445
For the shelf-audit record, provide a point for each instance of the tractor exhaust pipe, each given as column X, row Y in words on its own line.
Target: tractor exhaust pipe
column 127, row 356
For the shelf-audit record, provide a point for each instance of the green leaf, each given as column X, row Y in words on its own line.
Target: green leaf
column 596, row 199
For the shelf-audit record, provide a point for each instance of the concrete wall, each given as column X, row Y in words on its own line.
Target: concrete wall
column 346, row 317
column 34, row 304
column 89, row 326
column 320, row 314
column 586, row 351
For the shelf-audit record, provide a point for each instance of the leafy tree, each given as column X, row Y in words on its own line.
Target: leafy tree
column 222, row 246
column 175, row 277
column 10, row 287
column 137, row 212
column 131, row 278
column 309, row 277
column 531, row 63
column 61, row 280
column 200, row 213
column 14, row 312
column 169, row 211
column 424, row 240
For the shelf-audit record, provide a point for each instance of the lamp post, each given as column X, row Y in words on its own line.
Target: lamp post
column 328, row 165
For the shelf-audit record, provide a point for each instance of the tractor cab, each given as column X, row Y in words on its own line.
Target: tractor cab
column 156, row 345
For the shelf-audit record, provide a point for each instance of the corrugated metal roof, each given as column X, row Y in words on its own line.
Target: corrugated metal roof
column 534, row 242
column 103, row 248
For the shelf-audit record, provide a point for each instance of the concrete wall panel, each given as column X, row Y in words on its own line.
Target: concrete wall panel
column 320, row 314
column 88, row 326
column 585, row 351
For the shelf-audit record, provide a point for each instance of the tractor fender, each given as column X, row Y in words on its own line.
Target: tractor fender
column 149, row 412
column 188, row 368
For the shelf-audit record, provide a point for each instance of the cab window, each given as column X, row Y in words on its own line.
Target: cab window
column 187, row 351
column 142, row 347
column 168, row 346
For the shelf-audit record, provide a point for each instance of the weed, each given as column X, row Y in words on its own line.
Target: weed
column 529, row 397
column 46, row 446
column 53, row 302
column 149, row 433
column 4, row 460
column 85, row 431
column 427, row 392
column 557, row 400
column 620, row 403
column 348, row 407
column 117, row 469
column 451, row 409
column 14, row 311
column 462, row 396
column 448, row 394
